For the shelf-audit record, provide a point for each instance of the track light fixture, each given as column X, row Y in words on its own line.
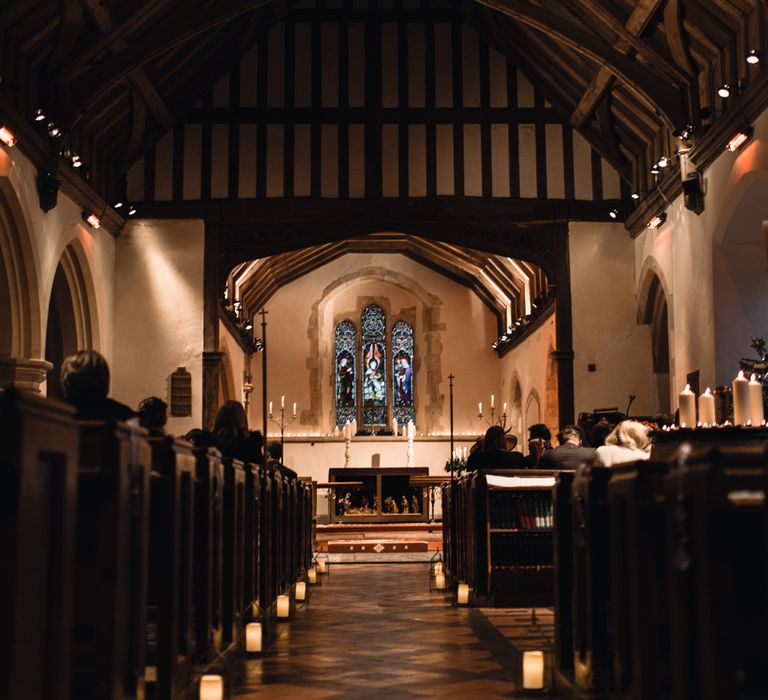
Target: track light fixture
column 118, row 205
column 53, row 131
column 614, row 213
column 739, row 139
column 655, row 170
column 724, row 90
column 753, row 57
column 635, row 195
column 6, row 136
column 131, row 210
column 76, row 162
column 663, row 162
column 91, row 219
column 39, row 115
column 657, row 220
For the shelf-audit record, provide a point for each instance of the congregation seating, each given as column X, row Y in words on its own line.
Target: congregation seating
column 137, row 560
column 668, row 572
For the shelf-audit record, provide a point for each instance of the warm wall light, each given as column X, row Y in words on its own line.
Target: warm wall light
column 211, row 687
column 462, row 595
column 7, row 137
column 739, row 139
column 657, row 220
column 91, row 219
column 533, row 670
column 283, row 607
column 253, row 637
column 301, row 590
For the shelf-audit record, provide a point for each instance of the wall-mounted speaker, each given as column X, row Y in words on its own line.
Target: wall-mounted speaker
column 693, row 192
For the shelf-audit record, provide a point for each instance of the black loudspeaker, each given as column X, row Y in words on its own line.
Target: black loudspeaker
column 47, row 190
column 693, row 194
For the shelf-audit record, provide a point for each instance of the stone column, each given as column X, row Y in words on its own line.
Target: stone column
column 26, row 375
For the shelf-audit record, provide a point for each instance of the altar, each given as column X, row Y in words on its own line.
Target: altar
column 379, row 495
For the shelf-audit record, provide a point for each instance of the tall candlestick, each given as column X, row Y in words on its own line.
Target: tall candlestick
column 707, row 409
column 687, row 404
column 755, row 401
column 492, row 400
column 740, row 387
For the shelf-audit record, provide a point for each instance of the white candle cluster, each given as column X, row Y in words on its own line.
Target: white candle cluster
column 747, row 400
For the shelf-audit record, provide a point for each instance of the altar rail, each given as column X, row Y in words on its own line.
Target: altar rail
column 661, row 577
column 497, row 533
column 133, row 563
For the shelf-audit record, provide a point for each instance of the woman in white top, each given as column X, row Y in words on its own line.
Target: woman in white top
column 627, row 442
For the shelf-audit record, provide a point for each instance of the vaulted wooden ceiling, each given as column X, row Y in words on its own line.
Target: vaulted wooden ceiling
column 115, row 74
column 498, row 281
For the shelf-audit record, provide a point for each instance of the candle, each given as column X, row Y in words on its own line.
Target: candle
column 321, row 566
column 282, row 402
column 492, row 401
column 301, row 590
column 411, row 429
column 480, row 408
column 211, row 687
column 440, row 581
column 505, row 408
column 312, row 574
column 253, row 637
column 707, row 409
column 294, row 409
column 740, row 387
column 462, row 595
column 755, row 401
column 394, row 426
column 687, row 404
column 283, row 606
column 533, row 670
column 438, row 567
column 270, row 408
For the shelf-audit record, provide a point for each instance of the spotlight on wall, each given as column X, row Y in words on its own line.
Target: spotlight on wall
column 131, row 210
column 614, row 213
column 739, row 139
column 39, row 115
column 663, row 162
column 635, row 195
column 91, row 219
column 6, row 136
column 76, row 162
column 655, row 170
column 249, row 326
column 753, row 57
column 657, row 220
column 685, row 133
column 724, row 90
column 53, row 130
column 118, row 205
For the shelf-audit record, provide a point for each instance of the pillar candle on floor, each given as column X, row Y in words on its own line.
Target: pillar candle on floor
column 755, row 401
column 533, row 670
column 253, row 637
column 687, row 404
column 301, row 590
column 211, row 687
column 283, row 606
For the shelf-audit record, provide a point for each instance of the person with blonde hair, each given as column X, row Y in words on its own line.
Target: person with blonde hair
column 627, row 442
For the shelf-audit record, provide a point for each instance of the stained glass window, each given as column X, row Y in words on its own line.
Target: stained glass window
column 402, row 372
column 346, row 351
column 374, row 364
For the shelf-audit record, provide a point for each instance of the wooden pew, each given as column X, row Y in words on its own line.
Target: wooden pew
column 267, row 587
column 639, row 609
column 109, row 618
column 170, row 586
column 233, row 552
column 207, row 560
column 591, row 580
column 251, row 536
column 717, row 558
column 38, row 491
column 563, row 559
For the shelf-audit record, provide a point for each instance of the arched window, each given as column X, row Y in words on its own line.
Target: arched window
column 346, row 352
column 402, row 372
column 374, row 363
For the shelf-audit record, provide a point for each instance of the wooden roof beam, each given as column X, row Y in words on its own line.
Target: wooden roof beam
column 662, row 97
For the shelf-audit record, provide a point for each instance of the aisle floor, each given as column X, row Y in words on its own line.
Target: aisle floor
column 376, row 631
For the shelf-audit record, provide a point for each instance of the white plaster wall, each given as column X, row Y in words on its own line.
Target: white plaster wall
column 686, row 252
column 159, row 312
column 605, row 328
column 49, row 234
column 466, row 329
column 528, row 363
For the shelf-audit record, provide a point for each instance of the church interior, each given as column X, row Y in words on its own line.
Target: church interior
column 297, row 300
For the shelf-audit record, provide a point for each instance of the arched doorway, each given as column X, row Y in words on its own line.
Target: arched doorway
column 656, row 314
column 70, row 323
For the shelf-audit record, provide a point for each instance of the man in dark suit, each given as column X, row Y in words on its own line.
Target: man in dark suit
column 570, row 454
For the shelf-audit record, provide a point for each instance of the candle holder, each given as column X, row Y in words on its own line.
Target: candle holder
column 502, row 421
column 283, row 422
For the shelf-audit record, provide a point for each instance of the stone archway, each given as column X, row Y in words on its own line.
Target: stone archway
column 654, row 310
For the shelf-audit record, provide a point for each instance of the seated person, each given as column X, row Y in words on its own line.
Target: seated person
column 494, row 453
column 539, row 440
column 153, row 415
column 85, row 382
column 274, row 453
column 570, row 454
column 628, row 442
column 232, row 437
